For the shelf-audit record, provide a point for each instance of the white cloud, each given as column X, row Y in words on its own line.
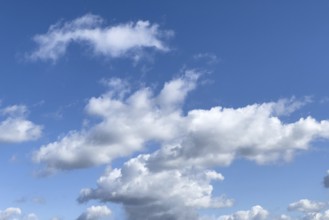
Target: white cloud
column 95, row 213
column 256, row 213
column 202, row 137
column 15, row 128
column 317, row 216
column 127, row 124
column 113, row 41
column 155, row 195
column 10, row 213
column 306, row 206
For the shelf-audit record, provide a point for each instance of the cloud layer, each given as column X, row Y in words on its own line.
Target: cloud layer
column 112, row 41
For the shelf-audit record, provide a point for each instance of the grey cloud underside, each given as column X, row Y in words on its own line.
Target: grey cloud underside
column 157, row 195
column 326, row 180
column 128, row 39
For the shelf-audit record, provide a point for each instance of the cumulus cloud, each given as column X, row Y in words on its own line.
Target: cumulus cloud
column 255, row 213
column 128, row 122
column 156, row 195
column 317, row 216
column 31, row 216
column 95, row 213
column 113, row 41
column 10, row 213
column 14, row 126
column 200, row 137
column 306, row 206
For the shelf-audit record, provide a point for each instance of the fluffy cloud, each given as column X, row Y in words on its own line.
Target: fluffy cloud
column 306, row 206
column 256, row 213
column 10, row 213
column 155, row 195
column 114, row 41
column 317, row 216
column 201, row 137
column 95, row 213
column 15, row 128
column 128, row 122
column 32, row 216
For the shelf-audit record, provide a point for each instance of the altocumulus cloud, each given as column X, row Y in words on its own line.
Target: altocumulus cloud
column 126, row 39
column 15, row 128
column 200, row 137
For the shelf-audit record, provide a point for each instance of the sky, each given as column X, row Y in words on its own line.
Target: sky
column 164, row 110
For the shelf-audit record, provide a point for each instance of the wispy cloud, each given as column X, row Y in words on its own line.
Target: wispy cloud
column 127, row 39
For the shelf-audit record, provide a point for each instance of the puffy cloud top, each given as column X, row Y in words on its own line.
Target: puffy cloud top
column 201, row 137
column 305, row 205
column 95, row 213
column 156, row 195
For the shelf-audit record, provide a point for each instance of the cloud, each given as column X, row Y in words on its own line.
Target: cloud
column 326, row 180
column 32, row 216
column 10, row 213
column 95, row 213
column 156, row 195
column 317, row 215
column 129, row 121
column 15, row 128
column 210, row 58
column 255, row 213
column 111, row 41
column 306, row 206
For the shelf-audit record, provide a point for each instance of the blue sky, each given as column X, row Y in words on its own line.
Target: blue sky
column 136, row 110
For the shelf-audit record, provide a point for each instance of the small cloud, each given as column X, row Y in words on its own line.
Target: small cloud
column 95, row 213
column 306, row 206
column 127, row 39
column 255, row 213
column 10, row 213
column 209, row 58
column 15, row 128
